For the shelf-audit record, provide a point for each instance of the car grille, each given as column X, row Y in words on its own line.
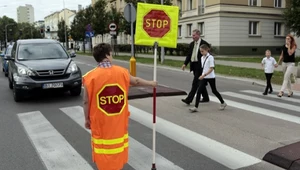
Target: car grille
column 46, row 78
column 50, row 72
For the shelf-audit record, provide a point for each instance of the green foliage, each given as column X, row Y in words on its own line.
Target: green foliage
column 291, row 16
column 61, row 31
column 99, row 17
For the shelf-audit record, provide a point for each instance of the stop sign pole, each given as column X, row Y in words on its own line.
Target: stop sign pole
column 154, row 107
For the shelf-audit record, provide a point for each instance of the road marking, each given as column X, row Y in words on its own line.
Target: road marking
column 285, row 98
column 263, row 101
column 225, row 155
column 51, row 146
column 140, row 156
column 258, row 110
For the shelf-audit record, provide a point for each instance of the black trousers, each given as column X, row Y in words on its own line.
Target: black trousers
column 269, row 85
column 202, row 86
column 195, row 86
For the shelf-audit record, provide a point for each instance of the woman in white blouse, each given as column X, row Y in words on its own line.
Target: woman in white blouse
column 208, row 76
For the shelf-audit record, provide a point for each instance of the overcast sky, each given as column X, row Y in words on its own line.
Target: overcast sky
column 42, row 8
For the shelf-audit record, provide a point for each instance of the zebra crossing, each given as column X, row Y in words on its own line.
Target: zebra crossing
column 57, row 153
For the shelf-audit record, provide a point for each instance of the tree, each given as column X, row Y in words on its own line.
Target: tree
column 116, row 17
column 61, row 31
column 291, row 16
column 27, row 31
column 99, row 19
column 11, row 29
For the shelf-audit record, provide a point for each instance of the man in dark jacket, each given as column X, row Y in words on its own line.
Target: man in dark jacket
column 194, row 58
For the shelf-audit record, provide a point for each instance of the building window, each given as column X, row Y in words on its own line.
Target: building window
column 201, row 7
column 253, row 28
column 278, row 3
column 179, row 4
column 190, row 4
column 253, row 2
column 189, row 30
column 201, row 28
column 179, row 30
column 278, row 28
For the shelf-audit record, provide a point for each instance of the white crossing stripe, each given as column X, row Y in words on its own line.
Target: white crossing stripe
column 264, row 101
column 290, row 99
column 140, row 156
column 52, row 147
column 223, row 154
column 258, row 110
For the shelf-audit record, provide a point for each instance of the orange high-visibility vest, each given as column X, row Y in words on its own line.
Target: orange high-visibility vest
column 108, row 110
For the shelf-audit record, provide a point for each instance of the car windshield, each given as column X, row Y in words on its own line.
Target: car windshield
column 41, row 52
column 8, row 51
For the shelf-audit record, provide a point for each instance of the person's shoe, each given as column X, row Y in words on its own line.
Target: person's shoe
column 222, row 107
column 264, row 93
column 194, row 109
column 290, row 94
column 280, row 94
column 271, row 91
column 185, row 101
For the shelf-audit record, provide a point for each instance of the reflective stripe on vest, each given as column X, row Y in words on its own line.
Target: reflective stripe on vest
column 110, row 142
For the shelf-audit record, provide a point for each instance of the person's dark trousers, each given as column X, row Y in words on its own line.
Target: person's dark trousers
column 269, row 85
column 195, row 86
column 202, row 87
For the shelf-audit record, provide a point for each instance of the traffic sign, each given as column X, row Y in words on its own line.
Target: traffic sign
column 129, row 13
column 89, row 28
column 157, row 23
column 112, row 32
column 112, row 26
column 111, row 99
column 89, row 34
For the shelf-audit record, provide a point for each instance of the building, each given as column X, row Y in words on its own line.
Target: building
column 234, row 26
column 52, row 20
column 25, row 14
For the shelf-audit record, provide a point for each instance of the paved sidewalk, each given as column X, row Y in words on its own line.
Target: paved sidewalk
column 220, row 62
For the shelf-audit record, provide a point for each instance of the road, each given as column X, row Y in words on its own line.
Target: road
column 46, row 132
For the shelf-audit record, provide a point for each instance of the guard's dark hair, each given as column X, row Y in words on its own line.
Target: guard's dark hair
column 101, row 51
column 204, row 47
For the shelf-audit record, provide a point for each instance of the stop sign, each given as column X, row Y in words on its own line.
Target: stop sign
column 156, row 23
column 111, row 99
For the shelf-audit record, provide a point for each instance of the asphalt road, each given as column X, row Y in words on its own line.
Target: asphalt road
column 46, row 131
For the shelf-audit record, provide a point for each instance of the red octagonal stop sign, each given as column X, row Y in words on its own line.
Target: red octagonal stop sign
column 156, row 23
column 111, row 99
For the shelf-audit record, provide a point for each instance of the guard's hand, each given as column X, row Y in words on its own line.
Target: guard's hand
column 183, row 67
column 201, row 77
column 276, row 65
column 153, row 83
column 87, row 124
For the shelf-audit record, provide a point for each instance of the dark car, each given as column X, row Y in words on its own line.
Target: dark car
column 41, row 64
column 7, row 51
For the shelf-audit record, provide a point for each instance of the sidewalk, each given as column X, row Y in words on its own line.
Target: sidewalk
column 295, row 86
column 220, row 62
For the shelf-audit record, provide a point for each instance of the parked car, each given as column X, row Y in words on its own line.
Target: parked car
column 4, row 62
column 42, row 64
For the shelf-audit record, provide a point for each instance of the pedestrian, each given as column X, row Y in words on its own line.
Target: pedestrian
column 288, row 64
column 109, row 129
column 268, row 63
column 194, row 58
column 207, row 77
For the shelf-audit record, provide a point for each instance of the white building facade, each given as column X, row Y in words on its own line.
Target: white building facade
column 25, row 14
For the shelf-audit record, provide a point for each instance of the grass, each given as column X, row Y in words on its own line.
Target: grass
column 219, row 69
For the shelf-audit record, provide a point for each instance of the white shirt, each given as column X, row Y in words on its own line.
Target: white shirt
column 197, row 49
column 269, row 64
column 210, row 62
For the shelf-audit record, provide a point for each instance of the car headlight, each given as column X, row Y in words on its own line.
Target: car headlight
column 72, row 68
column 25, row 71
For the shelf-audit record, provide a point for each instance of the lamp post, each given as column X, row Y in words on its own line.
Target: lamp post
column 6, row 33
column 65, row 26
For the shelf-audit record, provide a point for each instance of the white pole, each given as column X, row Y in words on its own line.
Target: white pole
column 154, row 107
column 65, row 25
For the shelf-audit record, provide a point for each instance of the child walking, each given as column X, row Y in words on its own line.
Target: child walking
column 268, row 63
column 208, row 76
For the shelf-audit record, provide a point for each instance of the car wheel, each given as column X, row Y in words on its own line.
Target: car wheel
column 17, row 94
column 75, row 91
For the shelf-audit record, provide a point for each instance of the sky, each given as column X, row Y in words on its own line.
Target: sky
column 42, row 8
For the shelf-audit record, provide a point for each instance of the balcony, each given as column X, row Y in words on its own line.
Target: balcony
column 189, row 13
